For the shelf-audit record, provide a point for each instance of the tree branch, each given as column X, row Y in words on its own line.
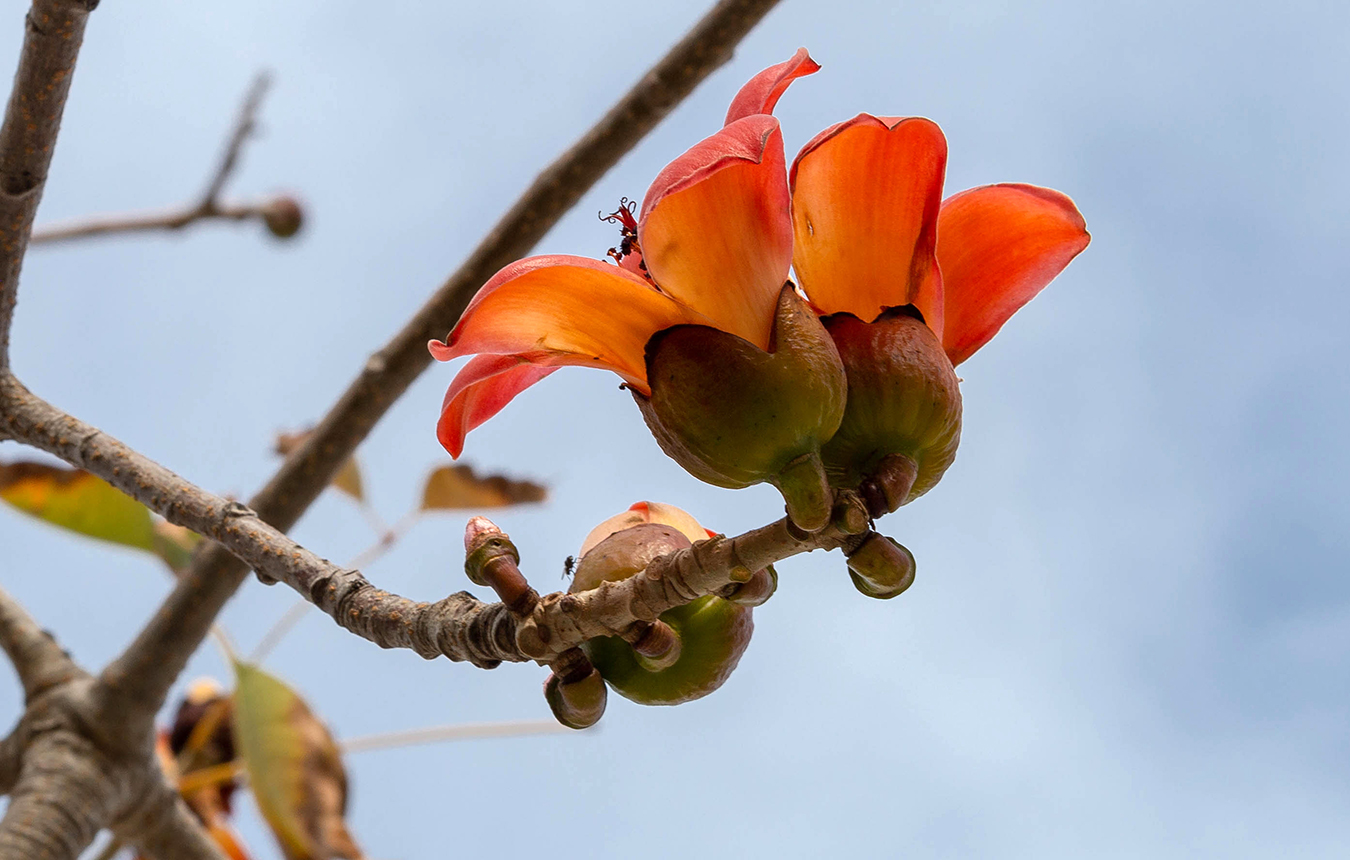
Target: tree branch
column 11, row 759
column 51, row 42
column 164, row 828
column 61, row 801
column 161, row 650
column 40, row 663
column 459, row 627
column 208, row 206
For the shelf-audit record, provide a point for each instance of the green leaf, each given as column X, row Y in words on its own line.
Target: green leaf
column 294, row 767
column 78, row 501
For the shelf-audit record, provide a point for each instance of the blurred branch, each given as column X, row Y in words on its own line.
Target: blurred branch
column 464, row 732
column 66, row 771
column 39, row 661
column 244, row 125
column 52, row 36
column 209, row 206
column 11, row 758
column 147, row 669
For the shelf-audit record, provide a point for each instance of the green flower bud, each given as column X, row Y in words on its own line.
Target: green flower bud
column 734, row 415
column 712, row 633
column 903, row 421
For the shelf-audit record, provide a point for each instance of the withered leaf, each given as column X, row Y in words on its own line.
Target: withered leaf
column 294, row 767
column 458, row 486
column 78, row 501
column 348, row 478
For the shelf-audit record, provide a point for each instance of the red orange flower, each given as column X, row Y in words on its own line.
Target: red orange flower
column 860, row 218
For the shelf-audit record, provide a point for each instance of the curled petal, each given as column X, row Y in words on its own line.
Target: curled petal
column 482, row 389
column 865, row 200
column 573, row 310
column 762, row 92
column 999, row 245
column 715, row 230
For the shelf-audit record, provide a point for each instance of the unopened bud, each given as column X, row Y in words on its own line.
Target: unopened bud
column 734, row 415
column 880, row 567
column 579, row 704
column 903, row 420
column 283, row 216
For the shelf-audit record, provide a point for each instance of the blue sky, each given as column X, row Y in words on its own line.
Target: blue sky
column 1130, row 628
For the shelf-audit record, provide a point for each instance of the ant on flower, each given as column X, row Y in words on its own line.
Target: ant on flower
column 624, row 216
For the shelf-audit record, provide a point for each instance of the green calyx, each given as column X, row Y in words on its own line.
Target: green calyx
column 734, row 415
column 902, row 424
column 713, row 633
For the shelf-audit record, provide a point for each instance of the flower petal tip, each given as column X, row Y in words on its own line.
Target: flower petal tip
column 761, row 93
column 440, row 350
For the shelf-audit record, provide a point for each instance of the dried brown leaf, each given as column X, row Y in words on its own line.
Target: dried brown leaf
column 458, row 486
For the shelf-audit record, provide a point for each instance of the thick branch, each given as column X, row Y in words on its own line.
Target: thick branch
column 159, row 653
column 60, row 802
column 51, row 42
column 163, row 828
column 459, row 627
column 38, row 660
column 11, row 758
column 206, row 207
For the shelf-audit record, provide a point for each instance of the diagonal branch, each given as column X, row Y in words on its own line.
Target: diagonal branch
column 39, row 661
column 459, row 627
column 244, row 126
column 51, row 42
column 161, row 650
column 207, row 206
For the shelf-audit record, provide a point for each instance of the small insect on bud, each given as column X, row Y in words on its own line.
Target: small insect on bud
column 283, row 216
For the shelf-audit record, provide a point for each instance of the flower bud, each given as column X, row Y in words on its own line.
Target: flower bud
column 577, row 704
column 711, row 632
column 734, row 415
column 903, row 420
column 283, row 216
column 881, row 567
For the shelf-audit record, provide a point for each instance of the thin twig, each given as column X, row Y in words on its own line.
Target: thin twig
column 244, row 125
column 207, row 206
column 463, row 732
column 143, row 222
column 142, row 676
column 51, row 42
column 283, row 626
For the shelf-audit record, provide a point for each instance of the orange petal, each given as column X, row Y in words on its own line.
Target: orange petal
column 998, row 246
column 865, row 199
column 573, row 309
column 762, row 91
column 481, row 389
column 715, row 231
